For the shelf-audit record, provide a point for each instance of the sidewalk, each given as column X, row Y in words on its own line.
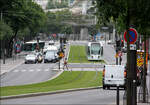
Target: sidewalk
column 11, row 63
column 143, row 103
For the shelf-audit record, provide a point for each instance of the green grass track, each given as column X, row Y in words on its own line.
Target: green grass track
column 67, row 80
column 78, row 55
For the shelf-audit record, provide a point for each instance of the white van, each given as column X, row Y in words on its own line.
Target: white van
column 114, row 75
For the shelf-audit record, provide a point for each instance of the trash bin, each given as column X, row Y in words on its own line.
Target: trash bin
column 125, row 98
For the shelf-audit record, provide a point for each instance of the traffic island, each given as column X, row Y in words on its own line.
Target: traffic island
column 67, row 80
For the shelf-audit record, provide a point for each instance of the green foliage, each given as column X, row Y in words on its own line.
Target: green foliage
column 21, row 14
column 55, row 22
column 121, row 10
column 5, row 31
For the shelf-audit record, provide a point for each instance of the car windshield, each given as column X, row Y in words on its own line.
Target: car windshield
column 50, row 53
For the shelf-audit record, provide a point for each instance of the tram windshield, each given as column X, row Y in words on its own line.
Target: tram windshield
column 95, row 48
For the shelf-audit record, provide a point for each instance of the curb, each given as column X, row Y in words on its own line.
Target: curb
column 12, row 68
column 61, row 71
column 47, row 93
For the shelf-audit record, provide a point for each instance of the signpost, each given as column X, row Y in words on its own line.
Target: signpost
column 131, row 69
column 132, row 36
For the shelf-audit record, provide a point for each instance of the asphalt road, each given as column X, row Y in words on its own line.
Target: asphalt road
column 34, row 73
column 87, row 97
column 28, row 73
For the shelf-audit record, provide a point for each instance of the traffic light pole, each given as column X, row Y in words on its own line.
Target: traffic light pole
column 117, row 94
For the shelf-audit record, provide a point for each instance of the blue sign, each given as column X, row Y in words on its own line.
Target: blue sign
column 132, row 36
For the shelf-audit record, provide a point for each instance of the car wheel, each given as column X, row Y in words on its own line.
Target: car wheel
column 108, row 87
column 104, row 87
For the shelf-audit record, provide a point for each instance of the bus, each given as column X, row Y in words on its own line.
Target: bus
column 94, row 51
column 32, row 45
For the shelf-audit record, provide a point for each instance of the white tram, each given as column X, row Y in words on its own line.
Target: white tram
column 94, row 51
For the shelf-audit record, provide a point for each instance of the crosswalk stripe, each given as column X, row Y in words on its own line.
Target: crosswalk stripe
column 31, row 70
column 23, row 70
column 38, row 70
column 46, row 69
column 16, row 70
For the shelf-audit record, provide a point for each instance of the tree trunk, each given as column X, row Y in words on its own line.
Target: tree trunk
column 10, row 44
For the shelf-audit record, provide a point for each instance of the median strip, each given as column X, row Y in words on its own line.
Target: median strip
column 67, row 80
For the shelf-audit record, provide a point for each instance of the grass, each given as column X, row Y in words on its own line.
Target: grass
column 67, row 80
column 78, row 55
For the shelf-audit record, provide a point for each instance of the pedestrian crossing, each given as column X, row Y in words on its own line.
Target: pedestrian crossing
column 32, row 70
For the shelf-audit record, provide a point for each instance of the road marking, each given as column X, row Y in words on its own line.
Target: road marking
column 23, row 70
column 38, row 70
column 46, row 69
column 16, row 70
column 31, row 70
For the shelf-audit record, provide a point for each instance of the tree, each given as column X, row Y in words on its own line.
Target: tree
column 5, row 31
column 21, row 14
column 130, row 13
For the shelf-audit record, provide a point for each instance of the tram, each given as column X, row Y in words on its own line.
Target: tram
column 94, row 51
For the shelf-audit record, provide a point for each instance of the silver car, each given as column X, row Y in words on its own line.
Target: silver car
column 51, row 56
column 31, row 58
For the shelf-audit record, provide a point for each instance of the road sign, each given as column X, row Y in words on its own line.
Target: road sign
column 132, row 36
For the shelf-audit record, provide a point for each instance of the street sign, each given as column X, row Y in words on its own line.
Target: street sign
column 132, row 36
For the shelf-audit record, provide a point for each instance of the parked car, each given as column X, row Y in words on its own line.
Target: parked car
column 114, row 75
column 31, row 58
column 51, row 56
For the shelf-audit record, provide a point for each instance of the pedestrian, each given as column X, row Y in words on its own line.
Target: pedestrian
column 65, row 64
column 120, row 60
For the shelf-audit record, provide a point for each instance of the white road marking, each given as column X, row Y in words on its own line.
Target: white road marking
column 46, row 69
column 31, row 70
column 16, row 70
column 38, row 70
column 23, row 70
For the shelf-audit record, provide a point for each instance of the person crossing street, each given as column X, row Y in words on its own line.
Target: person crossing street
column 65, row 64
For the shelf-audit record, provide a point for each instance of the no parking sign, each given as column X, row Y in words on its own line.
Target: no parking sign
column 132, row 36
